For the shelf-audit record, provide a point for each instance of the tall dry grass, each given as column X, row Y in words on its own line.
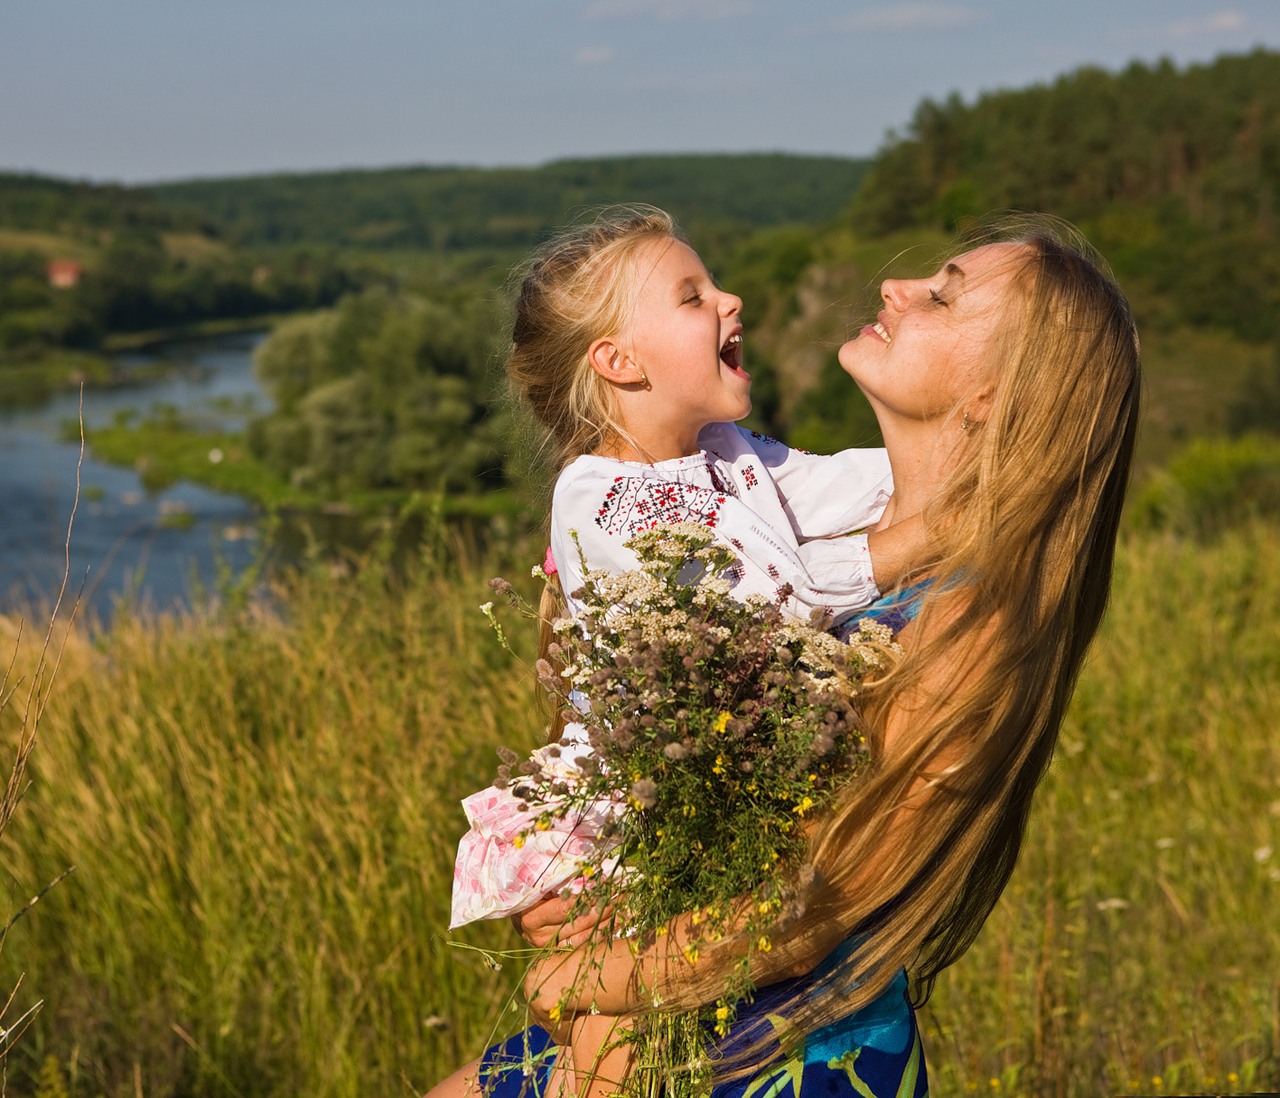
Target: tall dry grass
column 1137, row 949
column 262, row 809
column 261, row 806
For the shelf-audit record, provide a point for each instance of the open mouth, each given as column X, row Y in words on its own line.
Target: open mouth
column 731, row 353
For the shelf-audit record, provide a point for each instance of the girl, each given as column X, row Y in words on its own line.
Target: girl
column 630, row 355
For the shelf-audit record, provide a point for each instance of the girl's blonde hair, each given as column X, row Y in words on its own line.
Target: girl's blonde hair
column 579, row 287
column 1025, row 530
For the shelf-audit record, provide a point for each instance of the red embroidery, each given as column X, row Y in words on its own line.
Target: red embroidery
column 633, row 504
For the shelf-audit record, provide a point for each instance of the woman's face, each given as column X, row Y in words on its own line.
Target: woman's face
column 928, row 352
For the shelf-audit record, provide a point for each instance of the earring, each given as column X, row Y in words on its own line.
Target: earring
column 965, row 423
column 644, row 379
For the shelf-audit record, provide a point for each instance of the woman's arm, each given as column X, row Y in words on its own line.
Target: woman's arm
column 616, row 977
column 678, row 971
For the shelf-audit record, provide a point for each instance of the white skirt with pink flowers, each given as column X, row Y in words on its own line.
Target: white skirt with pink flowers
column 505, row 864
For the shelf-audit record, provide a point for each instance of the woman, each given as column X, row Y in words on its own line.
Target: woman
column 1006, row 387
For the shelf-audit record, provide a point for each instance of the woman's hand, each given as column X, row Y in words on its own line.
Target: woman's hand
column 544, row 992
column 545, row 924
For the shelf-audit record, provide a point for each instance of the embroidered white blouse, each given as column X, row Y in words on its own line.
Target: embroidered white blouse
column 787, row 514
column 783, row 511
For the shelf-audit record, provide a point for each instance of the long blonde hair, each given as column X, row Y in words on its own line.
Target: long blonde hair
column 1025, row 529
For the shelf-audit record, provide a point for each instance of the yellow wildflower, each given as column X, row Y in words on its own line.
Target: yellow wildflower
column 722, row 721
column 763, row 944
column 691, row 953
column 518, row 841
column 803, row 806
column 555, row 1013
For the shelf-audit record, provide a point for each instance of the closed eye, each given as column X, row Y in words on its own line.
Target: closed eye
column 935, row 298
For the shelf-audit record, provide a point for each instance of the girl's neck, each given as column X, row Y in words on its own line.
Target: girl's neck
column 648, row 448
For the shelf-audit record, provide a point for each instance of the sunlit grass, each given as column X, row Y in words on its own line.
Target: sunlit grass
column 262, row 809
column 1138, row 939
column 263, row 814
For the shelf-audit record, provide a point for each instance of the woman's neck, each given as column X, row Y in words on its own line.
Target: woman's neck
column 921, row 456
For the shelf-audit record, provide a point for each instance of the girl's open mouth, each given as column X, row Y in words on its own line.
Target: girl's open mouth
column 731, row 353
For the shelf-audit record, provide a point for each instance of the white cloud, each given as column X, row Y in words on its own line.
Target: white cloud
column 588, row 56
column 668, row 11
column 911, row 17
column 1218, row 23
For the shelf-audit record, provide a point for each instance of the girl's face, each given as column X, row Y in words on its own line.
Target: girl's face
column 929, row 350
column 685, row 334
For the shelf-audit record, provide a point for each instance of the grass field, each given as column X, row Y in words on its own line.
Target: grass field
column 260, row 802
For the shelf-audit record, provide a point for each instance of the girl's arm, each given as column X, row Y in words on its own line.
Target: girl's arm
column 822, row 498
column 594, row 516
column 824, row 495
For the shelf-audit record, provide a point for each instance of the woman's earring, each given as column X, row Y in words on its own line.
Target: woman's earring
column 644, row 379
column 965, row 423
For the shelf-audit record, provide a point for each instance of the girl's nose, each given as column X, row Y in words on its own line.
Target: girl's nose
column 729, row 304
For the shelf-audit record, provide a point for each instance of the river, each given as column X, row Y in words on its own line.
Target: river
column 148, row 550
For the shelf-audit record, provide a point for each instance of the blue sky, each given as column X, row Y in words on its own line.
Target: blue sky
column 139, row 90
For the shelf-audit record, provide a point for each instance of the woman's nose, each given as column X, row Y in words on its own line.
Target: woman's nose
column 895, row 292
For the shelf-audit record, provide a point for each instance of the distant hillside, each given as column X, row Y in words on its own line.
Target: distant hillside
column 1174, row 173
column 37, row 203
column 1200, row 144
column 455, row 209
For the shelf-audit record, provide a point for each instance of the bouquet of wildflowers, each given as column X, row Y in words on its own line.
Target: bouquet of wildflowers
column 715, row 727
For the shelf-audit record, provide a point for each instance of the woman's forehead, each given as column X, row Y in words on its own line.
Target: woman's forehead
column 986, row 262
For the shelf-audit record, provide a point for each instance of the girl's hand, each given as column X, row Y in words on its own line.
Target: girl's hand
column 544, row 924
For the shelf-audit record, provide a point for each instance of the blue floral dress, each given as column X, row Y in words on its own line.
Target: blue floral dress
column 874, row 1052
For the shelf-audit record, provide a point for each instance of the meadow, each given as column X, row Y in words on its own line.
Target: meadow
column 260, row 804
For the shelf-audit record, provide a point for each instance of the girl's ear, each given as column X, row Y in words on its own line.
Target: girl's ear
column 612, row 363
